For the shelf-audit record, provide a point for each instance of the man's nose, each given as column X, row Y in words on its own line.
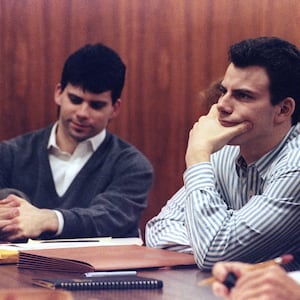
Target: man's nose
column 225, row 103
column 83, row 109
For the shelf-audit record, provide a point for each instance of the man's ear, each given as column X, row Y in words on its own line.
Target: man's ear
column 57, row 94
column 116, row 109
column 285, row 109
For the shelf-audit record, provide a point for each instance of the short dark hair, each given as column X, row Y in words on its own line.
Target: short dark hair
column 280, row 59
column 97, row 69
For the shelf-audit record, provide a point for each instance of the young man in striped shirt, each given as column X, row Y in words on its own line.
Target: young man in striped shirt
column 241, row 199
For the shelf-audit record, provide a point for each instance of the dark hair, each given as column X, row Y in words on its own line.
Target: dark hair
column 280, row 59
column 210, row 95
column 95, row 68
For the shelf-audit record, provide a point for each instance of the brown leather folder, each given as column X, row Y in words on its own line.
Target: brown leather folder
column 102, row 258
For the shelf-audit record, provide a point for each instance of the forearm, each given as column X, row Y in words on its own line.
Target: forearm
column 115, row 205
column 95, row 222
column 219, row 233
column 167, row 234
column 112, row 213
column 205, row 214
column 167, row 229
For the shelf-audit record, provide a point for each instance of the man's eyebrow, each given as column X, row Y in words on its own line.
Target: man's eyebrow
column 221, row 87
column 244, row 91
column 98, row 101
column 92, row 100
column 74, row 95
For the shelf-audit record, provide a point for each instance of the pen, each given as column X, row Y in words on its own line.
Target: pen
column 71, row 241
column 231, row 278
column 111, row 273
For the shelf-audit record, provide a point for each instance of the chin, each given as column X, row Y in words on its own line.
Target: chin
column 78, row 138
column 236, row 141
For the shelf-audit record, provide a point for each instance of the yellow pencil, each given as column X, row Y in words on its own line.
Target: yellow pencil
column 8, row 256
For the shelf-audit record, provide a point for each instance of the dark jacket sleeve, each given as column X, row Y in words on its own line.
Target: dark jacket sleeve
column 115, row 211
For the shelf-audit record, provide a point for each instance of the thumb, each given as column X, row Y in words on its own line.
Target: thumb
column 238, row 129
column 243, row 127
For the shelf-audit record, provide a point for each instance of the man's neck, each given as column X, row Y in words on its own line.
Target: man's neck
column 64, row 142
column 255, row 151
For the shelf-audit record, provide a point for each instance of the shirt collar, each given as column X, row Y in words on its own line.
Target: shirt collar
column 94, row 141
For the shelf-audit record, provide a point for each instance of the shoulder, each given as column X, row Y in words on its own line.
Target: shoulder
column 123, row 150
column 291, row 149
column 29, row 138
column 293, row 142
column 289, row 157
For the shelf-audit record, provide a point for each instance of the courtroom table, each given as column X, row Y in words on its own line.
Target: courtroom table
column 178, row 284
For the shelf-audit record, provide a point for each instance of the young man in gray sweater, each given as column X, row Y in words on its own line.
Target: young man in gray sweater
column 75, row 178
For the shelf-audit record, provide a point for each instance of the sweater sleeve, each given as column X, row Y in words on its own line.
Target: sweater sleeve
column 116, row 209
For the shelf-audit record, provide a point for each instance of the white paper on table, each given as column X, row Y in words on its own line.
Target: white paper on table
column 295, row 275
column 72, row 243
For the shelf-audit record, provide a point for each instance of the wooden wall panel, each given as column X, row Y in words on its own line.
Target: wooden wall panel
column 172, row 48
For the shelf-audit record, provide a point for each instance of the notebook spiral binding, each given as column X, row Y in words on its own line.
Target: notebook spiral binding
column 101, row 283
column 108, row 285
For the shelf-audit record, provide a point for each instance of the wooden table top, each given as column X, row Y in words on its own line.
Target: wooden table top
column 178, row 284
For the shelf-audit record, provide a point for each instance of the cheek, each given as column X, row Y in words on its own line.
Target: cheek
column 99, row 119
column 254, row 115
column 66, row 110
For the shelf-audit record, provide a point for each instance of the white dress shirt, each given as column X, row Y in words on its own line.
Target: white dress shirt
column 228, row 210
column 66, row 166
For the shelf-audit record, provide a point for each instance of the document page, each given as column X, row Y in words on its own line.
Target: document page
column 71, row 243
column 295, row 275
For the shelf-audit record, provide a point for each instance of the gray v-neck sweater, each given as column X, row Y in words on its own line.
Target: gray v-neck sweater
column 107, row 196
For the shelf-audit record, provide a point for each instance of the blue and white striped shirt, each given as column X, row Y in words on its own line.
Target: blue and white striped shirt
column 230, row 211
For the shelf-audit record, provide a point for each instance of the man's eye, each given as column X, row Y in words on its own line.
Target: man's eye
column 75, row 100
column 243, row 96
column 97, row 105
column 222, row 90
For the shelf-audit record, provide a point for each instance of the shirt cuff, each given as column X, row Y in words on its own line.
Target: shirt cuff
column 199, row 176
column 60, row 219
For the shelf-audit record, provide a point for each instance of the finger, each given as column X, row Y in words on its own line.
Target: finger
column 14, row 237
column 244, row 127
column 238, row 129
column 220, row 270
column 10, row 237
column 9, row 213
column 219, row 289
column 4, row 224
column 213, row 112
column 10, row 202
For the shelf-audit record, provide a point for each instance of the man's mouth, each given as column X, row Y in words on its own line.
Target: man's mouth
column 79, row 125
column 227, row 123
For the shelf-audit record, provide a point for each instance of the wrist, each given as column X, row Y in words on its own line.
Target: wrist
column 50, row 221
column 198, row 157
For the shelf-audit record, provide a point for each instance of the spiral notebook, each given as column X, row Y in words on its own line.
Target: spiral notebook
column 101, row 283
